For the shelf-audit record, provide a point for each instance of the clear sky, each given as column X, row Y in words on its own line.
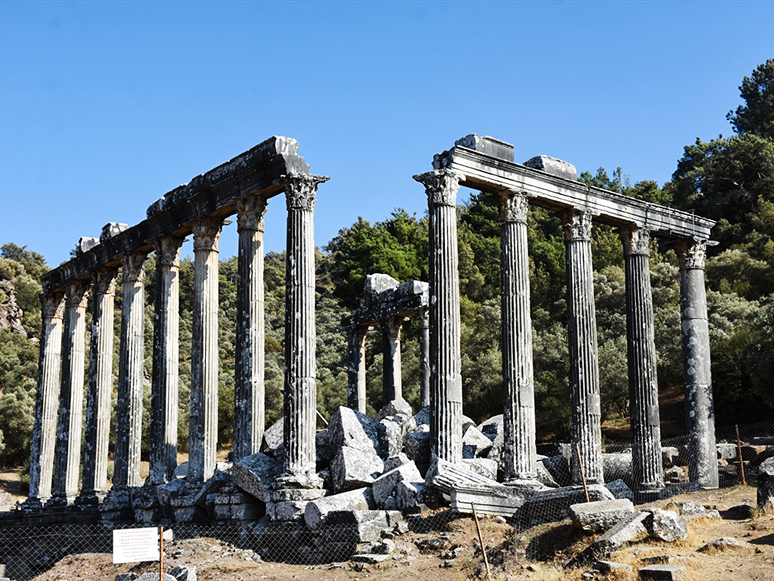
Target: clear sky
column 105, row 106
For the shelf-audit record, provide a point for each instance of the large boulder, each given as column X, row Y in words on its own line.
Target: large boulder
column 348, row 427
column 353, row 468
column 256, row 473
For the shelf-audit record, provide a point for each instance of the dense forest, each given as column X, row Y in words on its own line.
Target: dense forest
column 728, row 179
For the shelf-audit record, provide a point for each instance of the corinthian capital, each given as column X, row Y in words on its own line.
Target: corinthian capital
column 635, row 241
column 168, row 250
column 513, row 207
column 441, row 186
column 133, row 263
column 104, row 280
column 77, row 293
column 577, row 226
column 250, row 212
column 206, row 233
column 692, row 253
column 300, row 190
column 52, row 305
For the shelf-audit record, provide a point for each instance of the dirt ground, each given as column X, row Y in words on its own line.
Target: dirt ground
column 433, row 556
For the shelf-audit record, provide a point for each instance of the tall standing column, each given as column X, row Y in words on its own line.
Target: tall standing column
column 586, row 419
column 643, row 382
column 520, row 453
column 249, row 389
column 68, row 436
column 126, row 468
column 100, row 389
column 46, row 400
column 356, row 369
column 424, row 356
column 203, row 432
column 699, row 406
column 392, row 385
column 300, row 336
column 441, row 187
column 164, row 382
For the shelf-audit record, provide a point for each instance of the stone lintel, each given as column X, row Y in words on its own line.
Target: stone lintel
column 553, row 166
column 406, row 299
column 487, row 145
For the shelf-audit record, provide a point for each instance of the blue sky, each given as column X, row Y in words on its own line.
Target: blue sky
column 104, row 107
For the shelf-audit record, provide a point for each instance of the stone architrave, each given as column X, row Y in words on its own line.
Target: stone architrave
column 126, row 468
column 643, row 382
column 70, row 426
column 586, row 418
column 203, row 434
column 519, row 460
column 356, row 369
column 699, row 406
column 100, row 387
column 249, row 389
column 46, row 399
column 392, row 384
column 300, row 394
column 164, row 382
column 424, row 362
column 441, row 187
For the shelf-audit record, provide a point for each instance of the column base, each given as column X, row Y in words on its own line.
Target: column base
column 33, row 504
column 289, row 504
column 58, row 501
column 91, row 498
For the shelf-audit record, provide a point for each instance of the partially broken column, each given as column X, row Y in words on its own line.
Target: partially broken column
column 586, row 414
column 519, row 452
column 424, row 356
column 164, row 382
column 100, row 388
column 356, row 368
column 249, row 389
column 441, row 187
column 46, row 400
column 300, row 394
column 70, row 426
column 392, row 385
column 643, row 382
column 699, row 406
column 203, row 419
column 126, row 468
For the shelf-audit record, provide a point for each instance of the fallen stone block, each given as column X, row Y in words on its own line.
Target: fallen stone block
column 154, row 577
column 669, row 455
column 393, row 436
column 722, row 544
column 273, row 437
column 620, row 490
column 396, row 407
column 359, row 526
column 348, row 427
column 553, row 505
column 500, row 501
column 688, row 510
column 217, row 482
column 323, row 446
column 172, row 489
column 600, row 516
column 665, row 525
column 395, row 461
column 255, row 474
column 766, row 485
column 617, row 467
column 544, row 476
column 674, row 489
column 385, row 485
column 662, row 573
column 559, row 468
column 316, row 511
column 474, row 442
column 611, row 567
column 418, row 445
column 446, row 476
column 628, row 530
column 493, row 427
column 183, row 573
column 483, row 466
column 370, row 559
column 422, row 417
column 675, row 475
column 352, row 468
column 408, row 493
column 727, row 451
column 290, row 504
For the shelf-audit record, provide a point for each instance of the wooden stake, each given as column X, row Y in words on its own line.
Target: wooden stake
column 161, row 554
column 480, row 539
column 739, row 452
column 583, row 474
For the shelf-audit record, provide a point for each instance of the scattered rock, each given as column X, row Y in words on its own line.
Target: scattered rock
column 665, row 525
column 722, row 544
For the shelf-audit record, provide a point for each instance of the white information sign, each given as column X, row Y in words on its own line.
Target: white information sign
column 135, row 545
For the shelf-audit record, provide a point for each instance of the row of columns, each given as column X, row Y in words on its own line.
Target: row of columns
column 519, row 454
column 57, row 440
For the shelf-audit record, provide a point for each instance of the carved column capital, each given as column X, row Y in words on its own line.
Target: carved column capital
column 52, row 305
column 693, row 253
column 577, row 226
column 77, row 292
column 441, row 186
column 104, row 280
column 133, row 264
column 301, row 190
column 250, row 212
column 168, row 250
column 206, row 232
column 391, row 326
column 513, row 207
column 635, row 240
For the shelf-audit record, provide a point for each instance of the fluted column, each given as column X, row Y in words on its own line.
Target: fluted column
column 643, row 381
column 392, row 385
column 300, row 336
column 164, row 382
column 586, row 418
column 203, row 431
column 699, row 406
column 68, row 436
column 441, row 187
column 356, row 368
column 126, row 468
column 424, row 356
column 249, row 389
column 46, row 399
column 519, row 453
column 100, row 388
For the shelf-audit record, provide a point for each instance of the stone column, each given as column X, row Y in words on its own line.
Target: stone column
column 164, row 382
column 46, row 400
column 356, row 370
column 585, row 428
column 643, row 382
column 249, row 389
column 699, row 406
column 392, row 385
column 441, row 187
column 519, row 453
column 126, row 468
column 203, row 432
column 424, row 360
column 100, row 389
column 300, row 337
column 68, row 435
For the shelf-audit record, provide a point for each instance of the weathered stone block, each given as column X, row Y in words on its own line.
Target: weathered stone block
column 726, row 451
column 395, row 461
column 662, row 573
column 493, row 427
column 669, row 455
column 617, row 467
column 665, row 525
column 600, row 516
column 324, row 447
column 500, row 501
column 553, row 166
column 255, row 474
column 627, row 530
column 111, row 229
column 360, row 526
column 619, row 490
column 170, row 490
column 474, row 443
column 353, row 468
column 183, row 573
column 487, row 145
column 483, row 466
column 689, row 510
column 722, row 544
column 422, row 417
column 217, row 482
column 446, row 476
column 553, row 504
column 559, row 468
column 766, row 485
column 316, row 511
column 612, row 567
column 273, row 437
column 397, row 407
column 393, row 436
column 378, row 283
column 385, row 486
column 418, row 446
column 348, row 427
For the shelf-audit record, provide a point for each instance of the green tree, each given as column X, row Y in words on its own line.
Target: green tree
column 756, row 116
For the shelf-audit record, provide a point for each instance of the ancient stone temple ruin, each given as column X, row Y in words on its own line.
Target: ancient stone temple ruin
column 398, row 459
